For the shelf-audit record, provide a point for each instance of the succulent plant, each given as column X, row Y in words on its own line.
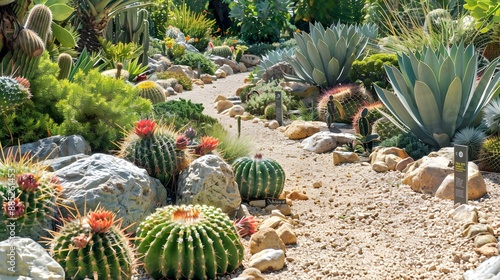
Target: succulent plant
column 93, row 246
column 188, row 242
column 152, row 91
column 489, row 157
column 437, row 91
column 491, row 116
column 372, row 116
column 325, row 56
column 223, row 51
column 65, row 63
column 12, row 93
column 153, row 147
column 28, row 198
column 471, row 137
column 258, row 177
column 352, row 97
column 366, row 137
column 385, row 128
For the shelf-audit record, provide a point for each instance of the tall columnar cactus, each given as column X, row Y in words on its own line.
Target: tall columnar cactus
column 489, row 158
column 352, row 97
column 258, row 177
column 65, row 63
column 93, row 246
column 188, row 242
column 12, row 93
column 154, row 148
column 28, row 198
column 39, row 20
column 152, row 91
column 223, row 51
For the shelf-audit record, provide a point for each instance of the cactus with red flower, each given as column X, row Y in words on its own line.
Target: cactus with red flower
column 206, row 146
column 99, row 238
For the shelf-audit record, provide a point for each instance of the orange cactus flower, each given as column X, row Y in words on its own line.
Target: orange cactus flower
column 145, row 128
column 298, row 30
column 196, row 40
column 101, row 220
column 207, row 145
column 218, row 30
column 80, row 241
column 188, row 38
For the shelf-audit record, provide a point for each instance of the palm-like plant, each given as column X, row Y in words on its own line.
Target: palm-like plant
column 438, row 91
column 93, row 17
column 325, row 56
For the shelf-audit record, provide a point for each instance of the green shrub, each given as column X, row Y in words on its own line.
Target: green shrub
column 264, row 94
column 371, row 71
column 191, row 59
column 158, row 18
column 260, row 49
column 410, row 143
column 99, row 108
column 184, row 80
column 194, row 25
column 328, row 11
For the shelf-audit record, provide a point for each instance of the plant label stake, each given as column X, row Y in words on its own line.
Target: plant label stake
column 199, row 69
column 279, row 107
column 460, row 172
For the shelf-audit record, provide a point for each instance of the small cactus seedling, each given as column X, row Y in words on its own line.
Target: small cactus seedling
column 93, row 246
column 258, row 177
column 188, row 242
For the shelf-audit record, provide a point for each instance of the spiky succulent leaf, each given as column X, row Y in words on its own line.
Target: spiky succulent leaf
column 491, row 116
column 471, row 137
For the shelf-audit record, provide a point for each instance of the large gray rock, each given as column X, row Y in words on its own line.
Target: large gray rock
column 114, row 183
column 490, row 269
column 53, row 147
column 23, row 258
column 326, row 141
column 277, row 71
column 209, row 180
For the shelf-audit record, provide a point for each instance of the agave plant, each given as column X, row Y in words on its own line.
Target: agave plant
column 325, row 56
column 438, row 91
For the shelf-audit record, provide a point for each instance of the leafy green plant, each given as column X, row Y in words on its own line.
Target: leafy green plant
column 191, row 59
column 261, row 20
column 370, row 70
column 134, row 68
column 158, row 14
column 328, row 11
column 193, row 25
column 471, row 137
column 436, row 93
column 486, row 13
column 260, row 49
column 99, row 108
column 119, row 52
column 184, row 80
column 86, row 61
column 325, row 56
column 410, row 143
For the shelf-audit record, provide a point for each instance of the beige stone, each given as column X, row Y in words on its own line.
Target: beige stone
column 252, row 272
column 481, row 240
column 287, row 234
column 488, row 250
column 476, row 229
column 236, row 110
column 219, row 98
column 258, row 203
column 285, row 209
column 243, row 88
column 380, row 166
column 266, row 238
column 272, row 222
column 223, row 105
column 297, row 195
column 268, row 260
column 426, row 174
column 344, row 157
column 464, row 213
column 476, row 186
column 301, row 129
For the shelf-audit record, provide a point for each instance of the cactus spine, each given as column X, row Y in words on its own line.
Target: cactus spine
column 153, row 148
column 258, row 177
column 351, row 96
column 12, row 93
column 489, row 158
column 28, row 200
column 223, row 51
column 65, row 62
column 152, row 91
column 93, row 247
column 39, row 20
column 385, row 128
column 188, row 242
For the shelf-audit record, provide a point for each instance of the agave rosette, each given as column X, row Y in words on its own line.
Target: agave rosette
column 438, row 91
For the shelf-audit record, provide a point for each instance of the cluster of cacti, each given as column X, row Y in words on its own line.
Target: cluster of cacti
column 65, row 63
column 351, row 96
column 385, row 128
column 152, row 91
column 28, row 199
column 489, row 158
column 188, row 242
column 26, row 43
column 131, row 25
column 258, row 177
column 223, row 51
column 93, row 246
column 153, row 147
column 12, row 93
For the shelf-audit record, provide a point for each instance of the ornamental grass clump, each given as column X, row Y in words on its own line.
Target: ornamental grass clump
column 438, row 91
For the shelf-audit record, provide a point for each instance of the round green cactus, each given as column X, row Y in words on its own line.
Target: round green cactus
column 351, row 96
column 28, row 199
column 154, row 148
column 258, row 177
column 152, row 91
column 489, row 158
column 188, row 242
column 385, row 128
column 223, row 51
column 12, row 93
column 93, row 246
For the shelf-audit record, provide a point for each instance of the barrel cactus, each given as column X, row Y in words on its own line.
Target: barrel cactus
column 12, row 93
column 188, row 242
column 153, row 147
column 223, row 51
column 28, row 197
column 489, row 158
column 351, row 96
column 385, row 128
column 93, row 246
column 258, row 177
column 152, row 91
column 373, row 114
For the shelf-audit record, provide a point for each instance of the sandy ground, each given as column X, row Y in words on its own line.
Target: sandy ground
column 359, row 224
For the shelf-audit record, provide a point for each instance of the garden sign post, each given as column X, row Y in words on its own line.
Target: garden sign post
column 279, row 107
column 460, row 169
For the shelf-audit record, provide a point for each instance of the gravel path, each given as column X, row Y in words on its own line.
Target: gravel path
column 358, row 224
